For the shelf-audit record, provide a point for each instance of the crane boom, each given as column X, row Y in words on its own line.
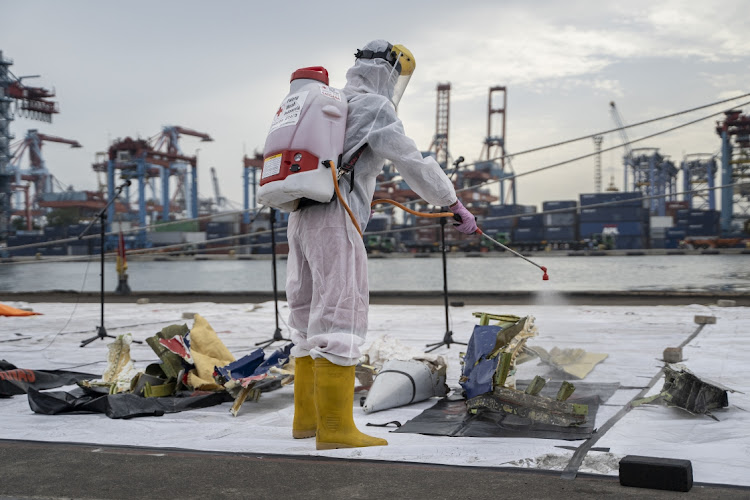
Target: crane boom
column 51, row 138
column 618, row 121
column 217, row 193
column 625, row 141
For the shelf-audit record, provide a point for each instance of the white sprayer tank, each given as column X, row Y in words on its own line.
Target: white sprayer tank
column 307, row 130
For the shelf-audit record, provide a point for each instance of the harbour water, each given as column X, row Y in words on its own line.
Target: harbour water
column 696, row 273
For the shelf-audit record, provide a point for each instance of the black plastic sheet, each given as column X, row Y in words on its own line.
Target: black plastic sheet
column 449, row 418
column 124, row 405
column 15, row 381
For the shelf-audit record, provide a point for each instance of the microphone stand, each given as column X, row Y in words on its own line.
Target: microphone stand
column 448, row 336
column 101, row 332
column 277, row 333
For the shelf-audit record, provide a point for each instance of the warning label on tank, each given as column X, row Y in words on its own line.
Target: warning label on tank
column 289, row 111
column 329, row 92
column 271, row 166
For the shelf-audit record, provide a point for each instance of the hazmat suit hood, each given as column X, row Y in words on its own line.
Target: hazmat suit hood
column 374, row 76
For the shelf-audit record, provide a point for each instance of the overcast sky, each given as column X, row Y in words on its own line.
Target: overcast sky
column 129, row 68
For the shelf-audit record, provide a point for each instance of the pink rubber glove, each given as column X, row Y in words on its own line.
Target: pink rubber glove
column 468, row 224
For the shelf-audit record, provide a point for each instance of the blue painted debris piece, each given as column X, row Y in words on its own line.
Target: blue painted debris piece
column 478, row 371
column 254, row 364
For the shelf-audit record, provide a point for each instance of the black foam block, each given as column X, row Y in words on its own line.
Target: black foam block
column 656, row 473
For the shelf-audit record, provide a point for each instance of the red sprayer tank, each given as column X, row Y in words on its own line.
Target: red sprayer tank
column 307, row 130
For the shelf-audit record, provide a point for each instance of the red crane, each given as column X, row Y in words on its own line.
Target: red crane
column 32, row 102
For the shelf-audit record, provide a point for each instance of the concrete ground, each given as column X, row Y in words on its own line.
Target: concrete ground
column 61, row 470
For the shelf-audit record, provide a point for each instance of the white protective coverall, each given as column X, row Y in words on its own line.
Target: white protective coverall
column 327, row 288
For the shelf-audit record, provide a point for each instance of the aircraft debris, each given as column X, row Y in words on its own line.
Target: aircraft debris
column 683, row 389
column 489, row 364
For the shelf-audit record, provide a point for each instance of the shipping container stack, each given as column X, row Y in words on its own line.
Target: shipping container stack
column 561, row 225
column 674, row 236
column 426, row 238
column 216, row 231
column 701, row 223
column 51, row 235
column 501, row 221
column 529, row 231
column 658, row 228
column 624, row 216
column 261, row 243
column 88, row 246
column 22, row 238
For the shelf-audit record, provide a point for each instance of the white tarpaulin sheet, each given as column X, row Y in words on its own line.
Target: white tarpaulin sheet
column 634, row 337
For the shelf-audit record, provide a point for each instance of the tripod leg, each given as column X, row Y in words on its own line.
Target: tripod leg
column 448, row 337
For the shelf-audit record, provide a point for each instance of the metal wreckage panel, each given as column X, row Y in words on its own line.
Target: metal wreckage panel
column 534, row 407
column 685, row 390
column 504, row 397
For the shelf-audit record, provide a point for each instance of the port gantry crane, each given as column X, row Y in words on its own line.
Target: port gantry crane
column 654, row 175
column 30, row 102
column 494, row 152
column 148, row 160
column 439, row 144
column 734, row 131
column 37, row 173
column 699, row 180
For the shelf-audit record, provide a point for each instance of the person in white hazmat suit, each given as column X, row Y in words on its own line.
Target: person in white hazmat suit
column 327, row 289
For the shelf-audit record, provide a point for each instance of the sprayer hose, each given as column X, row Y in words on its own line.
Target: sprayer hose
column 377, row 202
column 413, row 212
column 341, row 198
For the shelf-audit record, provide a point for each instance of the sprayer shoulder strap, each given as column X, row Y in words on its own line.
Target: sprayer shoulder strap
column 348, row 167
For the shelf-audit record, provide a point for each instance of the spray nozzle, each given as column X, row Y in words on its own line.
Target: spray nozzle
column 545, row 276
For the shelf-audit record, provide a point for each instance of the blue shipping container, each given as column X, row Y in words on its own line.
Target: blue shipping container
column 627, row 228
column 560, row 233
column 528, row 235
column 675, row 232
column 496, row 210
column 377, row 224
column 611, row 214
column 556, row 205
column 498, row 224
column 533, row 220
column 561, row 219
column 703, row 229
column 626, row 199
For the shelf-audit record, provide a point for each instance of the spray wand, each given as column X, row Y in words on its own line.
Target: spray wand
column 545, row 276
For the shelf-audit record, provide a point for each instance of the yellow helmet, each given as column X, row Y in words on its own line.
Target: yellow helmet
column 404, row 60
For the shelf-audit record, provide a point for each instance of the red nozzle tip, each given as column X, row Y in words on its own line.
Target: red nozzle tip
column 545, row 277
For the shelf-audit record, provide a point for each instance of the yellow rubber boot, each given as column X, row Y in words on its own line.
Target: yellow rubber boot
column 305, row 416
column 334, row 399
